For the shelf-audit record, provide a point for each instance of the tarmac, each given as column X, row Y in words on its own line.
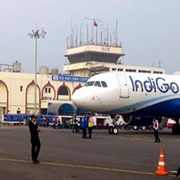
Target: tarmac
column 66, row 156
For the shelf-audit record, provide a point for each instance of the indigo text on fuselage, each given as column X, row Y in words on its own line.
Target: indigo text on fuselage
column 154, row 85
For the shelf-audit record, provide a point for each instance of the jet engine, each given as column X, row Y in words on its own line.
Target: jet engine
column 140, row 120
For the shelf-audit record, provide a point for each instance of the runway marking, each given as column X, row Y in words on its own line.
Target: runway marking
column 81, row 166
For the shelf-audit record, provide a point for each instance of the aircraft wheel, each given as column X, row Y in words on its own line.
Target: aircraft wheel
column 135, row 127
column 115, row 130
column 143, row 128
column 110, row 130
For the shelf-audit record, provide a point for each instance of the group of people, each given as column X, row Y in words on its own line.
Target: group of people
column 87, row 123
column 74, row 124
column 55, row 122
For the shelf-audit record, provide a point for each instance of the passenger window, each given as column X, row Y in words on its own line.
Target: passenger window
column 97, row 83
column 103, row 84
column 90, row 83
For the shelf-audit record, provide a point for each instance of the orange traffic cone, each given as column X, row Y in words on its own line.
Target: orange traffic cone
column 161, row 171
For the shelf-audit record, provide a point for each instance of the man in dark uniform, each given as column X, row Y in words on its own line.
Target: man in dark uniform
column 35, row 141
column 178, row 172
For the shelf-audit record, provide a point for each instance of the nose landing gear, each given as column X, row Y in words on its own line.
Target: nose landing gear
column 114, row 129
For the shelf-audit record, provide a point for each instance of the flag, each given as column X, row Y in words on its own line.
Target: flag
column 95, row 24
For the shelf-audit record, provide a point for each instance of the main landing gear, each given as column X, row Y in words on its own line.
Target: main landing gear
column 113, row 130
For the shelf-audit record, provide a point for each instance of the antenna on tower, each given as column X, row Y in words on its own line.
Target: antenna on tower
column 107, row 37
column 94, row 24
column 71, row 36
column 76, row 40
column 80, row 40
column 153, row 64
column 159, row 64
column 116, row 33
column 87, row 34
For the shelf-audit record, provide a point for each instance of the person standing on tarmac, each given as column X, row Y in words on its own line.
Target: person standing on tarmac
column 54, row 122
column 35, row 141
column 90, row 125
column 156, row 127
column 84, row 125
column 73, row 124
column 178, row 171
column 59, row 122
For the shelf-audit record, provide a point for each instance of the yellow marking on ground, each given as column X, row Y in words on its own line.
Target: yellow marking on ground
column 81, row 166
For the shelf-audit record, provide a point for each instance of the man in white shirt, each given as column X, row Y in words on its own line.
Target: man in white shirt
column 156, row 127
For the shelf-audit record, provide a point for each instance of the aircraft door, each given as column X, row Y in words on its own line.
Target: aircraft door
column 124, row 90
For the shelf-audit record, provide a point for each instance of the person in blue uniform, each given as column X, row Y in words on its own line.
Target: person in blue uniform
column 35, row 141
column 84, row 126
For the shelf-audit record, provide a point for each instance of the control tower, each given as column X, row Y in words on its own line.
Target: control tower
column 92, row 55
column 94, row 52
column 97, row 54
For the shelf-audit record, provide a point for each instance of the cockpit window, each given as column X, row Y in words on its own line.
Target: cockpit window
column 97, row 83
column 103, row 83
column 89, row 83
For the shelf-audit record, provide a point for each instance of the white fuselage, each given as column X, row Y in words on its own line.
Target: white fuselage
column 130, row 93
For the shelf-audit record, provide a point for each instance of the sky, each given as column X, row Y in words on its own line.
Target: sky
column 149, row 30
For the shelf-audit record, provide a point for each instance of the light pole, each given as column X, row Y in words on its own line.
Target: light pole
column 36, row 35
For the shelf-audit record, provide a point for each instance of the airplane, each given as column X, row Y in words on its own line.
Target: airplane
column 132, row 94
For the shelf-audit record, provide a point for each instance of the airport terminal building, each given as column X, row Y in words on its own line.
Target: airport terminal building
column 19, row 92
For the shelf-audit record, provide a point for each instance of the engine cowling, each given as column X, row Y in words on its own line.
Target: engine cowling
column 139, row 120
column 127, row 118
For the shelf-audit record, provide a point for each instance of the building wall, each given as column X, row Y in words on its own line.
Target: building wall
column 88, row 68
column 94, row 48
column 17, row 91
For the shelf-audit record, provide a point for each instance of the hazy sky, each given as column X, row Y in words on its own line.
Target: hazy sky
column 148, row 29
